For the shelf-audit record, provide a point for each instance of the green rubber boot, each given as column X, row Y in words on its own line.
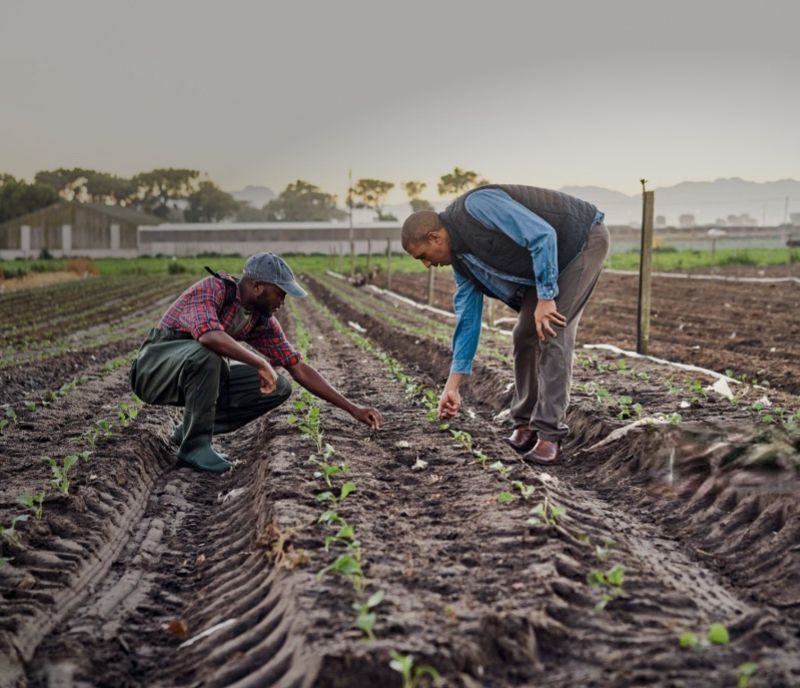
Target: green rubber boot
column 206, row 459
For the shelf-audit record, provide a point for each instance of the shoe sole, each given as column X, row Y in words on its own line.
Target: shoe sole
column 520, row 450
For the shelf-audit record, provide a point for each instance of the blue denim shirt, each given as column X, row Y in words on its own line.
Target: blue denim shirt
column 495, row 209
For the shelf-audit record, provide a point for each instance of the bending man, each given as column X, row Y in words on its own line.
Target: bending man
column 184, row 362
column 538, row 251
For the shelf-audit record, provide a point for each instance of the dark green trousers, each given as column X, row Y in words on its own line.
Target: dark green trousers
column 175, row 370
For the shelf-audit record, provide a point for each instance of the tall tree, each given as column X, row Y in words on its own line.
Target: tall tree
column 210, row 204
column 371, row 193
column 17, row 197
column 459, row 180
column 302, row 201
column 155, row 189
column 414, row 190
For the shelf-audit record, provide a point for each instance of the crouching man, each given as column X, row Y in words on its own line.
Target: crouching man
column 184, row 361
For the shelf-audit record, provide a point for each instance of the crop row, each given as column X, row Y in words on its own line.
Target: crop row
column 607, row 582
column 340, row 534
column 61, row 471
column 104, row 302
column 608, row 384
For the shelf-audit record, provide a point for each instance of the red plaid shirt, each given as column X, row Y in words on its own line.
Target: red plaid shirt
column 200, row 309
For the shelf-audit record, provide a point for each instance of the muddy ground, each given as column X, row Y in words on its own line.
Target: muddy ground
column 750, row 329
column 117, row 582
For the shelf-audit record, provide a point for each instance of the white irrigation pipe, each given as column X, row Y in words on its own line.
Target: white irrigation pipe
column 662, row 361
column 719, row 278
column 607, row 347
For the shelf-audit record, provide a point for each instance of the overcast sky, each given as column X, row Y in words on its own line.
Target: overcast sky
column 543, row 93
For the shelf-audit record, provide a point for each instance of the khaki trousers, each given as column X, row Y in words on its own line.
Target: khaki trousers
column 543, row 370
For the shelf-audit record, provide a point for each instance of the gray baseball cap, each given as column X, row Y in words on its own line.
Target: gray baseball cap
column 267, row 267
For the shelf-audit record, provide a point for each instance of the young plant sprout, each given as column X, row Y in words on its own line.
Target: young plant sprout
column 10, row 534
column 33, row 502
column 348, row 566
column 463, row 438
column 610, row 581
column 345, row 535
column 60, row 479
column 330, row 517
column 744, row 672
column 545, row 513
column 505, row 497
column 525, row 490
column 329, row 496
column 717, row 634
column 501, row 468
column 365, row 621
column 412, row 675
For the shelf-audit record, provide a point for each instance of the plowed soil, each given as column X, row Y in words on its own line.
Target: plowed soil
column 146, row 574
column 750, row 329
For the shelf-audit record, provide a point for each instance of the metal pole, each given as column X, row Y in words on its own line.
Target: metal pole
column 352, row 238
column 431, row 281
column 388, row 263
column 645, row 272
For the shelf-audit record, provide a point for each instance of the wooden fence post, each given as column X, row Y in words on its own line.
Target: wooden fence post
column 645, row 272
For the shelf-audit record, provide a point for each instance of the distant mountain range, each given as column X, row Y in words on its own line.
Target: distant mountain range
column 709, row 202
column 256, row 196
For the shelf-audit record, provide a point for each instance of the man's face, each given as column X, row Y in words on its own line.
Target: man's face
column 435, row 250
column 268, row 298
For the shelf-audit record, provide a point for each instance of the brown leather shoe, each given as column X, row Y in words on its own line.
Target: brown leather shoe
column 545, row 453
column 522, row 439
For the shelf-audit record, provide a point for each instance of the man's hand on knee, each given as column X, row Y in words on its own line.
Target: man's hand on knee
column 546, row 315
column 268, row 377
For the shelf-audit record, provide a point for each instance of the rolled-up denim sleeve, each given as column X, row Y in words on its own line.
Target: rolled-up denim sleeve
column 496, row 209
column 468, row 307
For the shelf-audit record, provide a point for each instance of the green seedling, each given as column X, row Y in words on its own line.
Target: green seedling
column 346, row 535
column 717, row 634
column 628, row 408
column 365, row 621
column 104, row 427
column 611, row 581
column 600, row 393
column 525, row 490
column 643, row 375
column 30, row 405
column 412, row 675
column 675, row 419
column 60, row 479
column 327, row 471
column 463, row 438
column 505, row 498
column 309, row 422
column 501, row 468
column 621, row 365
column 744, row 672
column 35, row 503
column 10, row 534
column 348, row 566
column 329, row 496
column 330, row 517
column 480, row 457
column 545, row 513
column 9, row 417
column 127, row 413
column 602, row 552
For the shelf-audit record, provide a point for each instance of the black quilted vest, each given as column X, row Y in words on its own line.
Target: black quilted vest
column 571, row 218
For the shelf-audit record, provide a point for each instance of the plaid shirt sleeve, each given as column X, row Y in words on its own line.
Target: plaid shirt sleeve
column 196, row 310
column 268, row 338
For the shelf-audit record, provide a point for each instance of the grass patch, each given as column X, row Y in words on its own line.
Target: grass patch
column 668, row 259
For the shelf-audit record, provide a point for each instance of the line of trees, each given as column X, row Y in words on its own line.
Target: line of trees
column 181, row 194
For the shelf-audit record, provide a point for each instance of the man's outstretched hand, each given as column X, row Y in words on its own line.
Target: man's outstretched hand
column 369, row 416
column 546, row 315
column 449, row 403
